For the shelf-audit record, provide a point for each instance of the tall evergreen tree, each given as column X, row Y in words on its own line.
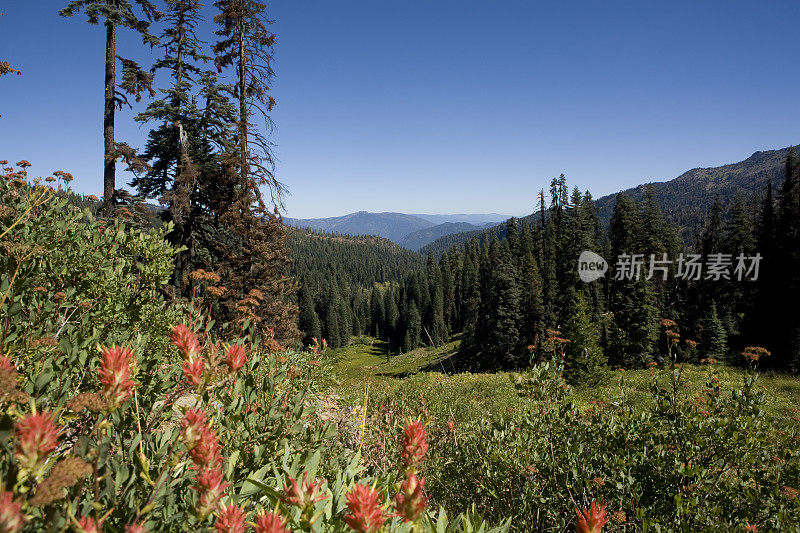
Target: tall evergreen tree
column 175, row 145
column 714, row 338
column 584, row 361
column 246, row 45
column 114, row 14
column 309, row 323
column 255, row 249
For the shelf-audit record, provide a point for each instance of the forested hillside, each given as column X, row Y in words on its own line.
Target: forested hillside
column 686, row 200
column 517, row 298
column 418, row 239
column 336, row 274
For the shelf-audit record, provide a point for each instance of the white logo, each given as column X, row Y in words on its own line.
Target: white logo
column 591, row 266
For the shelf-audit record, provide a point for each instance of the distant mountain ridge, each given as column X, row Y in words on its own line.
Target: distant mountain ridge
column 398, row 227
column 474, row 219
column 685, row 200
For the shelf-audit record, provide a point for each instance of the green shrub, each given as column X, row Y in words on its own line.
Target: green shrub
column 105, row 425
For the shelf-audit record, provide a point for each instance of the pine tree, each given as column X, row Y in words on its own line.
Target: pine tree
column 247, row 45
column 497, row 334
column 255, row 249
column 634, row 331
column 584, row 361
column 309, row 323
column 531, row 326
column 413, row 330
column 714, row 340
column 377, row 311
column 472, row 303
column 392, row 315
column 175, row 145
column 117, row 13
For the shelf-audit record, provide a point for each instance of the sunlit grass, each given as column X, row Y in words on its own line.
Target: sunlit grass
column 418, row 380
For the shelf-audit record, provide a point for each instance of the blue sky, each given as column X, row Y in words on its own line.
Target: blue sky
column 445, row 106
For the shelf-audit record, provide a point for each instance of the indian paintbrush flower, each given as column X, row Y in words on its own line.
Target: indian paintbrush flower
column 86, row 524
column 270, row 523
column 415, row 444
column 591, row 520
column 115, row 373
column 411, row 501
column 235, row 357
column 37, row 436
column 186, row 341
column 11, row 517
column 305, row 496
column 211, row 485
column 231, row 519
column 193, row 371
column 366, row 515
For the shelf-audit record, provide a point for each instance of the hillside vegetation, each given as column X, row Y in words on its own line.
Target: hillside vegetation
column 670, row 448
column 686, row 200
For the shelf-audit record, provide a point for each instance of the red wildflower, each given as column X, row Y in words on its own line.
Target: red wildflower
column 5, row 363
column 305, row 495
column 751, row 528
column 11, row 517
column 366, row 515
column 235, row 357
column 415, row 444
column 206, row 452
column 193, row 423
column 451, row 426
column 89, row 525
column 193, row 371
column 37, row 436
column 186, row 341
column 270, row 523
column 115, row 373
column 230, row 519
column 211, row 486
column 135, row 528
column 591, row 520
column 411, row 501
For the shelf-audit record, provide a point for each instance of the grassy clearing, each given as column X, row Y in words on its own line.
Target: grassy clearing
column 417, row 381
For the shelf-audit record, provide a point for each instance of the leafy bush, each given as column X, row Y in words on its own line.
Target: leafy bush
column 686, row 464
column 106, row 425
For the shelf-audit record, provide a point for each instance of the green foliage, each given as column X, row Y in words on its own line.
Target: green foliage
column 584, row 361
column 110, row 435
column 70, row 282
column 714, row 340
column 674, row 449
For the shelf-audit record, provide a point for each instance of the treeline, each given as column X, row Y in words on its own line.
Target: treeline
column 520, row 297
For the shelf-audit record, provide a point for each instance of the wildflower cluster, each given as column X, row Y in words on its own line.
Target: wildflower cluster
column 115, row 374
column 188, row 344
column 753, row 354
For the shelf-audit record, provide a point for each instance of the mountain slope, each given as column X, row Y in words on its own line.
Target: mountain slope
column 481, row 219
column 418, row 239
column 393, row 226
column 687, row 198
column 359, row 261
column 684, row 200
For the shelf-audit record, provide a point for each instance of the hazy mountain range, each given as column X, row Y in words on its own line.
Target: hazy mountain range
column 409, row 231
